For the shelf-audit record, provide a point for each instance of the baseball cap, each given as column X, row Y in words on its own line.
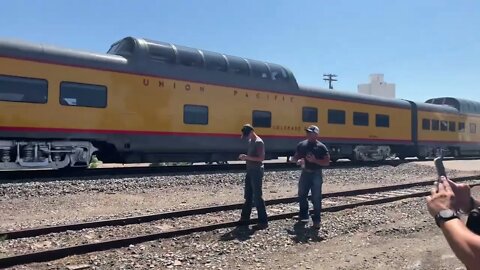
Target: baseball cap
column 313, row 129
column 247, row 127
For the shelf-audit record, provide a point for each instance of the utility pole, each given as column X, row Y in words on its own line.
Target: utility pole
column 330, row 79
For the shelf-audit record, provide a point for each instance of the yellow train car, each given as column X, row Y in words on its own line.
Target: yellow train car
column 150, row 101
column 451, row 127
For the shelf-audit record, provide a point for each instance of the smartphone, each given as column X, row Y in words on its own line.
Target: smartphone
column 440, row 168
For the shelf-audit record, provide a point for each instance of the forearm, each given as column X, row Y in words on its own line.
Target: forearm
column 256, row 159
column 464, row 243
column 323, row 162
column 295, row 158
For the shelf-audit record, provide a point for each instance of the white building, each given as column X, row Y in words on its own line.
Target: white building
column 377, row 87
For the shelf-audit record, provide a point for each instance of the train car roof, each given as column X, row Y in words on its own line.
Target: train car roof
column 462, row 105
column 52, row 54
column 352, row 97
column 205, row 66
column 164, row 60
column 436, row 108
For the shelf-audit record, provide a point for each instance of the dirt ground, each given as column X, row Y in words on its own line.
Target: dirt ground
column 403, row 241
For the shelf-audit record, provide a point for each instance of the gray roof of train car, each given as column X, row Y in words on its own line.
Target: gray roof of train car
column 141, row 63
column 347, row 96
column 435, row 108
column 462, row 105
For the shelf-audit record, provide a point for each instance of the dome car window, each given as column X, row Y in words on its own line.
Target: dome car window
column 162, row 52
column 189, row 57
column 215, row 61
column 238, row 65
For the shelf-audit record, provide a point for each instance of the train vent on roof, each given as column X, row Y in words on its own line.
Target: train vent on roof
column 462, row 105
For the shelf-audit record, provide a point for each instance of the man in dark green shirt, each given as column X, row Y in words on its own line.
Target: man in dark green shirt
column 254, row 177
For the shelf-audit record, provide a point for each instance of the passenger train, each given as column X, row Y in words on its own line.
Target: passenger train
column 150, row 101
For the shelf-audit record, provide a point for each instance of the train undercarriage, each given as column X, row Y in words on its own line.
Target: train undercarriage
column 18, row 155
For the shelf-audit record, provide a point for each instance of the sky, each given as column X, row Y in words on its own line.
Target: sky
column 428, row 48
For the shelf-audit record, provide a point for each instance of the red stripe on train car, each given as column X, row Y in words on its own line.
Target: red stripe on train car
column 139, row 132
column 446, row 142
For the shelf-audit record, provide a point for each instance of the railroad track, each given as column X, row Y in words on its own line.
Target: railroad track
column 47, row 175
column 333, row 202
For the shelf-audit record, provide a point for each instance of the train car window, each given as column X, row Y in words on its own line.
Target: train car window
column 382, row 120
column 259, row 70
column 238, row 65
column 162, row 52
column 452, row 126
column 360, row 119
column 262, row 119
column 435, row 125
column 336, row 117
column 189, row 57
column 425, row 124
column 215, row 61
column 126, row 47
column 195, row 114
column 83, row 95
column 20, row 89
column 310, row 114
column 278, row 73
column 473, row 128
column 461, row 127
column 443, row 125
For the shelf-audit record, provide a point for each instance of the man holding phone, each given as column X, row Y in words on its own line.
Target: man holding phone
column 254, row 177
column 311, row 155
column 446, row 199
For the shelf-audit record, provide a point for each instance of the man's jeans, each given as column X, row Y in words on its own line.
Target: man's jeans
column 253, row 194
column 310, row 180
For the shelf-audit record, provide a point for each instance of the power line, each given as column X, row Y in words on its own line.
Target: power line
column 330, row 79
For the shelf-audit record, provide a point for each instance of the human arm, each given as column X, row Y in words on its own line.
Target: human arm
column 299, row 156
column 325, row 161
column 464, row 243
column 323, row 156
column 260, row 149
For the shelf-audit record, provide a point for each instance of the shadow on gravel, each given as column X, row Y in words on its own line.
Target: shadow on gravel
column 303, row 234
column 240, row 233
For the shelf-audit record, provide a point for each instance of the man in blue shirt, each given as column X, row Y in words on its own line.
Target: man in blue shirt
column 311, row 155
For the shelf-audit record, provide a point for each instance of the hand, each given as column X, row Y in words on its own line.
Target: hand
column 311, row 158
column 301, row 162
column 441, row 199
column 462, row 195
column 242, row 157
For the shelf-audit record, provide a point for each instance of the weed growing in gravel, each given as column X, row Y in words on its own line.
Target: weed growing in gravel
column 3, row 237
column 94, row 163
